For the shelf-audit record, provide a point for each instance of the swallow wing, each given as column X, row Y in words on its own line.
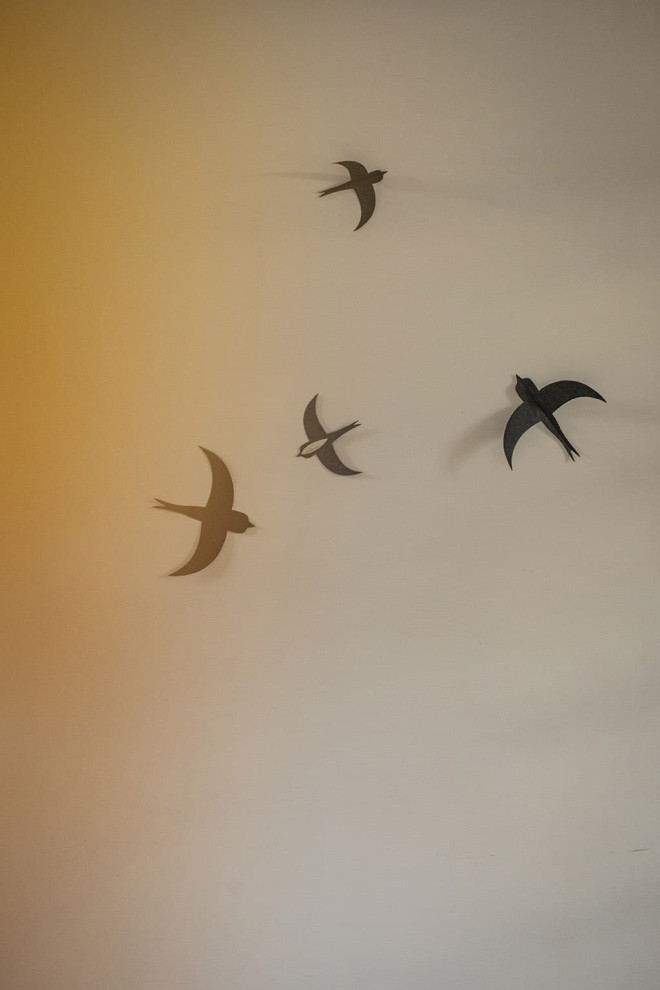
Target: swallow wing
column 329, row 459
column 211, row 541
column 555, row 395
column 364, row 190
column 356, row 170
column 521, row 419
column 311, row 423
column 367, row 196
column 221, row 498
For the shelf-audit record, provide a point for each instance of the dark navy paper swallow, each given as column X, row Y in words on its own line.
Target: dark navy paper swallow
column 320, row 444
column 217, row 517
column 538, row 406
column 362, row 183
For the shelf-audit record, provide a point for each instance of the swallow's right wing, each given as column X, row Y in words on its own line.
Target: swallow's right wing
column 521, row 419
column 329, row 459
column 364, row 190
column 221, row 498
column 313, row 428
column 556, row 394
column 212, row 537
column 367, row 196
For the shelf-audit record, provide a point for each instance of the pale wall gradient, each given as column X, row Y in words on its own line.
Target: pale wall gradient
column 404, row 734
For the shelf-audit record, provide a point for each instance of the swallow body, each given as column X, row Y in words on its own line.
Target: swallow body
column 217, row 517
column 362, row 183
column 320, row 443
column 538, row 406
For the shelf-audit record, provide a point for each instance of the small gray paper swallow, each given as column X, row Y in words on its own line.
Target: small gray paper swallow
column 362, row 183
column 320, row 444
column 538, row 406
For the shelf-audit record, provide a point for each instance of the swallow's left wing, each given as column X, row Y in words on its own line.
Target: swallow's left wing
column 364, row 190
column 521, row 419
column 555, row 395
column 221, row 498
column 313, row 428
column 329, row 459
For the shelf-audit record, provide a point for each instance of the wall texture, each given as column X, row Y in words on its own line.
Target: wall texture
column 403, row 734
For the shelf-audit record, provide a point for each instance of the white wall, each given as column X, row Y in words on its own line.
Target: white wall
column 404, row 734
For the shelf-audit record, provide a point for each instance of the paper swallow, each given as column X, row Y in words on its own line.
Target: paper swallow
column 538, row 406
column 320, row 443
column 217, row 517
column 362, row 183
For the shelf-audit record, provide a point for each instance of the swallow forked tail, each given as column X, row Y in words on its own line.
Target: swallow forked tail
column 344, row 185
column 563, row 439
column 194, row 511
column 339, row 433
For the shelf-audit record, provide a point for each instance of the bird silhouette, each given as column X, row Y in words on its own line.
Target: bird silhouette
column 217, row 517
column 320, row 443
column 538, row 406
column 362, row 183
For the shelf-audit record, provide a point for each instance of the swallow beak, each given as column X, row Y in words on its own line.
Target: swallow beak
column 251, row 525
column 518, row 378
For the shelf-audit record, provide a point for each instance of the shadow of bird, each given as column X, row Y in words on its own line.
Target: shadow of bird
column 315, row 176
column 477, row 436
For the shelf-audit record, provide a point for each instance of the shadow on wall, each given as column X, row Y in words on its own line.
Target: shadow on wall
column 489, row 430
column 404, row 183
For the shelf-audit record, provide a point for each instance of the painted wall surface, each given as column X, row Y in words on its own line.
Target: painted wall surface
column 405, row 733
